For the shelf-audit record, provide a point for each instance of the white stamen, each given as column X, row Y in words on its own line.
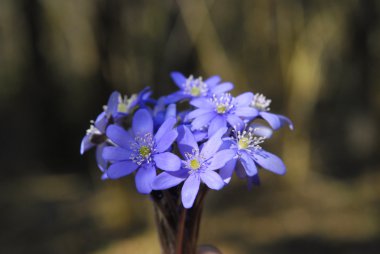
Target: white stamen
column 195, row 87
column 223, row 103
column 247, row 140
column 142, row 149
column 261, row 102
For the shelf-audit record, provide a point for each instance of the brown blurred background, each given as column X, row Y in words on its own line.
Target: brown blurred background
column 319, row 62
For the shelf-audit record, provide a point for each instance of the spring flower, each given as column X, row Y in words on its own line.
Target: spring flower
column 217, row 111
column 198, row 166
column 195, row 87
column 246, row 146
column 261, row 104
column 138, row 149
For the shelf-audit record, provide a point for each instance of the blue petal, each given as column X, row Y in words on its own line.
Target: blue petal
column 248, row 164
column 221, row 158
column 244, row 99
column 273, row 120
column 253, row 180
column 213, row 144
column 212, row 81
column 167, row 180
column 200, row 135
column 227, row 170
column 240, row 170
column 144, row 178
column 167, row 161
column 119, row 136
column 176, row 96
column 212, row 180
column 171, row 111
column 121, row 169
column 112, row 153
column 186, row 141
column 216, row 124
column 102, row 163
column 235, row 122
column 85, row 145
column 222, row 88
column 198, row 112
column 270, row 162
column 166, row 141
column 261, row 130
column 113, row 103
column 190, row 190
column 178, row 79
column 164, row 128
column 142, row 122
column 101, row 122
column 203, row 120
column 247, row 112
column 286, row 121
column 202, row 103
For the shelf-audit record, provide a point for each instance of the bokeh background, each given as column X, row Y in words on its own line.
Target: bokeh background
column 319, row 62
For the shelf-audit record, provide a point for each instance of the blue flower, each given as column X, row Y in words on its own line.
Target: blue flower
column 261, row 104
column 195, row 87
column 247, row 149
column 138, row 149
column 198, row 166
column 217, row 111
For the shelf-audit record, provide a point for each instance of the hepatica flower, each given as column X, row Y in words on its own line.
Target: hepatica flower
column 247, row 149
column 261, row 104
column 142, row 150
column 196, row 87
column 218, row 110
column 198, row 165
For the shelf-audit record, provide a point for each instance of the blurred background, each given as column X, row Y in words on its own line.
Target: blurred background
column 319, row 62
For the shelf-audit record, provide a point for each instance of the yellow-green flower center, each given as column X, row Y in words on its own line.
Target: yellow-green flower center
column 243, row 143
column 221, row 108
column 195, row 91
column 144, row 151
column 121, row 107
column 194, row 164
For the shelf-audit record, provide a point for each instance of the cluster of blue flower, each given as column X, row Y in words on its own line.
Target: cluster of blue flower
column 215, row 136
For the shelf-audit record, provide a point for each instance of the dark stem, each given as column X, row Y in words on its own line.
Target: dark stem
column 180, row 231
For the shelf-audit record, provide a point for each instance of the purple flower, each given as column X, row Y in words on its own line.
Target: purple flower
column 198, row 166
column 195, row 87
column 261, row 104
column 217, row 111
column 248, row 152
column 138, row 149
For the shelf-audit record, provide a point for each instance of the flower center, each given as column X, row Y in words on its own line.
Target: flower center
column 224, row 103
column 195, row 87
column 144, row 151
column 194, row 164
column 247, row 140
column 261, row 102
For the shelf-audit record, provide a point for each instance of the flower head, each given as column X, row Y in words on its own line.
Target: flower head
column 142, row 150
column 198, row 165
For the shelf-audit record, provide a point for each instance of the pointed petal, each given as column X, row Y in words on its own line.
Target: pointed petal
column 222, row 88
column 142, row 122
column 144, row 178
column 203, row 120
column 190, row 190
column 178, row 78
column 119, row 136
column 86, row 145
column 286, row 121
column 167, row 161
column 240, row 170
column 121, row 169
column 171, row 111
column 226, row 172
column 244, row 99
column 221, row 158
column 101, row 122
column 112, row 153
column 216, row 124
column 167, row 180
column 113, row 103
column 248, row 164
column 102, row 163
column 186, row 141
column 247, row 112
column 273, row 120
column 166, row 141
column 235, row 122
column 166, row 126
column 212, row 81
column 212, row 180
column 270, row 162
column 213, row 144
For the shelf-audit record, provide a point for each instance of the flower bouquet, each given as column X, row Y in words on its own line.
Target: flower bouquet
column 177, row 155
